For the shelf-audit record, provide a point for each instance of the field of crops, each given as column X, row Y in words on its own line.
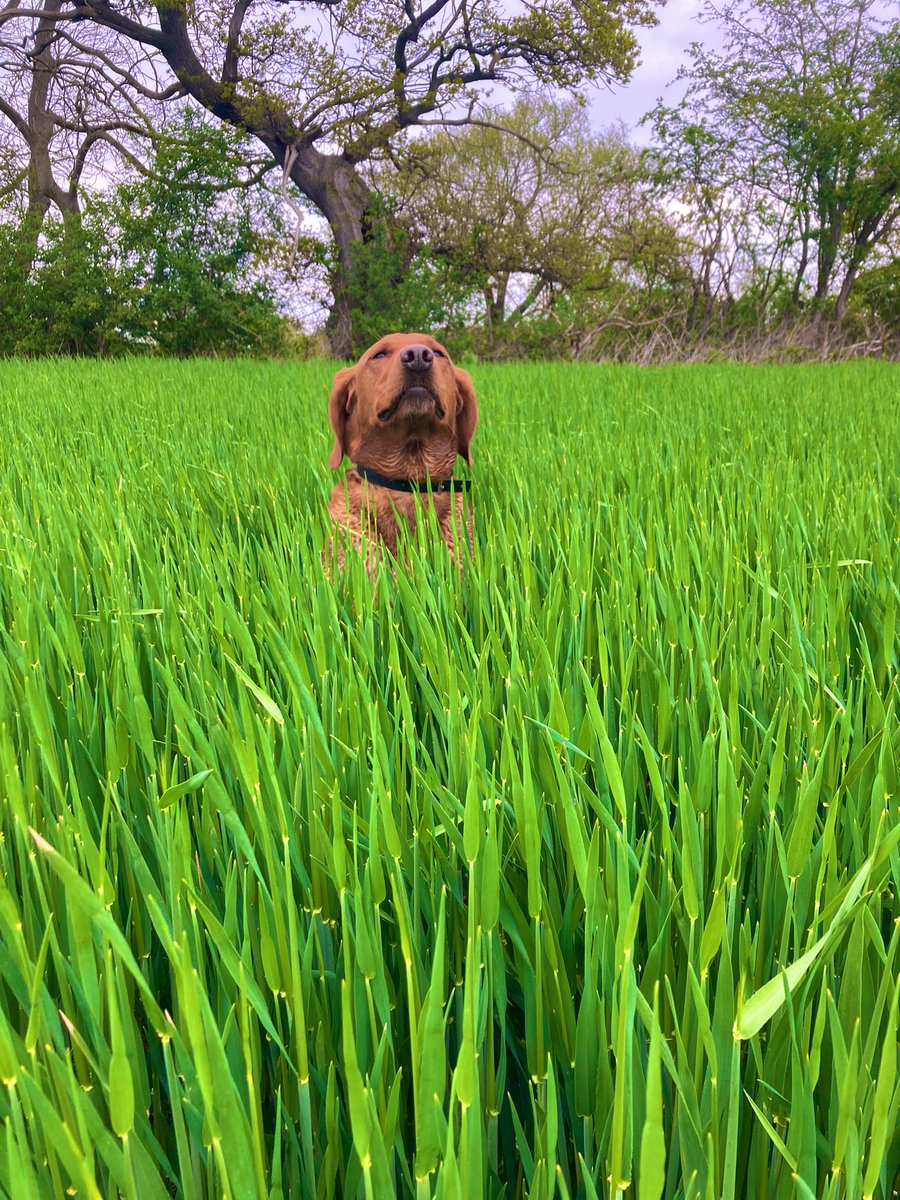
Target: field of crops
column 576, row 876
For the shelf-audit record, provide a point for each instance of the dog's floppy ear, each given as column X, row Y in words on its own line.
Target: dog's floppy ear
column 466, row 414
column 339, row 404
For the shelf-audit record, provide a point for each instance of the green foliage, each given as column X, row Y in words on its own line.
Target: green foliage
column 14, row 270
column 68, row 301
column 376, row 86
column 544, row 224
column 793, row 124
column 166, row 263
column 392, row 286
column 564, row 42
column 575, row 872
column 188, row 243
column 879, row 293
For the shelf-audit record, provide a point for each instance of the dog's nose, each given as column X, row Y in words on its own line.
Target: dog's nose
column 417, row 358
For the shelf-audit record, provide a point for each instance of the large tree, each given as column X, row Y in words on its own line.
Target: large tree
column 327, row 84
column 69, row 108
column 799, row 111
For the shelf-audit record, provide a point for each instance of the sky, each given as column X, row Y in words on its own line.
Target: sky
column 663, row 50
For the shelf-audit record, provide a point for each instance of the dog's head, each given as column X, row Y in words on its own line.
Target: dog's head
column 403, row 401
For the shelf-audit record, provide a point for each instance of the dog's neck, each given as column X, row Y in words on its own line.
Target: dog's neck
column 416, row 460
column 413, row 486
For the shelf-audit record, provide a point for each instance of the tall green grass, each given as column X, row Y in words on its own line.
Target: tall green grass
column 575, row 876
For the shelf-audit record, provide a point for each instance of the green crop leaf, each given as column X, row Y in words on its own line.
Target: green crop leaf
column 177, row 790
column 764, row 1003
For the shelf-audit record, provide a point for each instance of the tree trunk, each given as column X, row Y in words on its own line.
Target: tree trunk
column 830, row 229
column 846, row 289
column 330, row 181
column 38, row 127
column 801, row 270
column 338, row 191
column 495, row 309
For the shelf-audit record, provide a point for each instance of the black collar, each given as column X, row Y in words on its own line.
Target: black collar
column 413, row 485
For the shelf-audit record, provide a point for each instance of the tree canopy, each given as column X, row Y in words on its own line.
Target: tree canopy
column 149, row 153
column 529, row 209
column 799, row 112
column 325, row 84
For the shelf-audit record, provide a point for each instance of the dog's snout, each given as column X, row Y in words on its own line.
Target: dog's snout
column 417, row 358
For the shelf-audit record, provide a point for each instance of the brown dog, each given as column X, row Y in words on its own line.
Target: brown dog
column 401, row 415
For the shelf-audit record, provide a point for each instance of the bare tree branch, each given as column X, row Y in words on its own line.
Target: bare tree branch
column 230, row 64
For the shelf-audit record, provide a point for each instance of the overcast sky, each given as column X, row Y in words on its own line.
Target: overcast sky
column 663, row 50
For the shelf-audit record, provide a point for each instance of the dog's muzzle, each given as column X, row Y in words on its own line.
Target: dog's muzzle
column 416, row 399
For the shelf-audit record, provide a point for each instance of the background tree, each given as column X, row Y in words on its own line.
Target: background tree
column 187, row 242
column 799, row 112
column 527, row 210
column 175, row 259
column 325, row 85
column 135, row 216
column 68, row 108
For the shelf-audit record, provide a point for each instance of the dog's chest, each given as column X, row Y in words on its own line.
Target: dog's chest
column 372, row 511
column 390, row 513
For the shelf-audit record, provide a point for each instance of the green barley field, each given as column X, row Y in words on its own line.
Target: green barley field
column 575, row 876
